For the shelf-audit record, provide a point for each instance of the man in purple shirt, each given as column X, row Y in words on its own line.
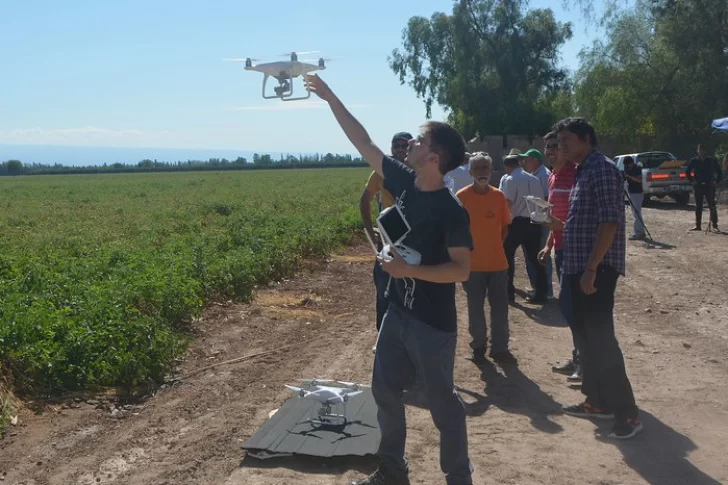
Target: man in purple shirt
column 594, row 258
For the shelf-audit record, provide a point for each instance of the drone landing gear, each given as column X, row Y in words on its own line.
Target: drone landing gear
column 326, row 416
column 284, row 90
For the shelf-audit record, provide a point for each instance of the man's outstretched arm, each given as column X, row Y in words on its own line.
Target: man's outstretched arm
column 351, row 126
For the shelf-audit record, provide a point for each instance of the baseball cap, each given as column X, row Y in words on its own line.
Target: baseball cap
column 402, row 135
column 532, row 153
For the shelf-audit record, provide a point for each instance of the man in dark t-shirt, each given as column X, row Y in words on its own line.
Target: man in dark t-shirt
column 418, row 333
column 438, row 222
column 704, row 173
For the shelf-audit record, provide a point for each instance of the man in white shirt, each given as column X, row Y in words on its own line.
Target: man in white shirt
column 517, row 186
column 532, row 162
column 507, row 169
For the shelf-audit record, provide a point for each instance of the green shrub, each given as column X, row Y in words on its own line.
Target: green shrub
column 101, row 276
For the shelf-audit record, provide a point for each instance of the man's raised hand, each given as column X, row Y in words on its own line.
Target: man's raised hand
column 317, row 86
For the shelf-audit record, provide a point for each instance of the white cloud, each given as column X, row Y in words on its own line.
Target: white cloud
column 85, row 135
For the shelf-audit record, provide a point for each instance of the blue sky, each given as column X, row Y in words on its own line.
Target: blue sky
column 151, row 74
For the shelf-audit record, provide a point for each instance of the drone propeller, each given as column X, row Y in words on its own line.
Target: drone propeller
column 294, row 389
column 299, row 53
column 240, row 59
column 351, row 394
column 314, row 380
column 326, row 59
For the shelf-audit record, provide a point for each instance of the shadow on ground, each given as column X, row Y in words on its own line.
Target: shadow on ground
column 660, row 454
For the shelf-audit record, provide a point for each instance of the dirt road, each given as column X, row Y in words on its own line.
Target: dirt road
column 671, row 322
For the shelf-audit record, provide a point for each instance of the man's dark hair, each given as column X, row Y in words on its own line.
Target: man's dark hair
column 549, row 136
column 701, row 145
column 448, row 143
column 629, row 160
column 578, row 126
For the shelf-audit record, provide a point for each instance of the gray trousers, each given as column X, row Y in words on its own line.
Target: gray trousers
column 405, row 347
column 494, row 285
column 637, row 199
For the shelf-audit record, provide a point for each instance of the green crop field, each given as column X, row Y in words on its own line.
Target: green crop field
column 101, row 275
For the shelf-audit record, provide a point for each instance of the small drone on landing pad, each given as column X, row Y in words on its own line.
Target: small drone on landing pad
column 284, row 72
column 327, row 397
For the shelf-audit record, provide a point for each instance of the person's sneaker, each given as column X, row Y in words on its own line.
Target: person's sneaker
column 637, row 237
column 586, row 410
column 696, row 228
column 567, row 367
column 504, row 357
column 576, row 375
column 379, row 478
column 537, row 299
column 624, row 430
column 478, row 355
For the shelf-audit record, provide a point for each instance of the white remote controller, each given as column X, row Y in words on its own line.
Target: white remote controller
column 408, row 254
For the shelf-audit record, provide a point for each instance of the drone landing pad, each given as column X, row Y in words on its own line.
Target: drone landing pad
column 290, row 431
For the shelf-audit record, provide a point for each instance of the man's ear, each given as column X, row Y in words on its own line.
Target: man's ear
column 433, row 157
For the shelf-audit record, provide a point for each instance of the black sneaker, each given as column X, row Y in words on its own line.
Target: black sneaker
column 567, row 367
column 696, row 228
column 576, row 376
column 379, row 478
column 537, row 299
column 624, row 430
column 586, row 410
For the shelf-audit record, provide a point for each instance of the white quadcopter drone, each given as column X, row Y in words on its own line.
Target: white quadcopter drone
column 284, row 72
column 328, row 396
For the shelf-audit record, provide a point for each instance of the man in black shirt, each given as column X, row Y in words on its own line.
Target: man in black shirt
column 419, row 330
column 633, row 174
column 703, row 172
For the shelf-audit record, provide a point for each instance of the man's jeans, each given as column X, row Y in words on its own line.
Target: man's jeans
column 707, row 192
column 637, row 199
column 565, row 305
column 407, row 346
column 549, row 268
column 605, row 383
column 522, row 232
column 494, row 285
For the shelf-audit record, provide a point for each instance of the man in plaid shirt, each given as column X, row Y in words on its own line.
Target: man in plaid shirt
column 594, row 258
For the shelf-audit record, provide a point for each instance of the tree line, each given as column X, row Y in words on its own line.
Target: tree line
column 259, row 161
column 655, row 82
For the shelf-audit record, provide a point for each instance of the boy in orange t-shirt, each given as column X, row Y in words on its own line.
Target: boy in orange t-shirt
column 489, row 221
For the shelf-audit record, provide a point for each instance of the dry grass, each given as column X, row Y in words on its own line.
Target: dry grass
column 7, row 404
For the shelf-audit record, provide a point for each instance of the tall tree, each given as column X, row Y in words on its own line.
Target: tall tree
column 492, row 64
column 663, row 72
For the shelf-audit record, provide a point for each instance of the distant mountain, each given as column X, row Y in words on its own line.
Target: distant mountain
column 85, row 156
